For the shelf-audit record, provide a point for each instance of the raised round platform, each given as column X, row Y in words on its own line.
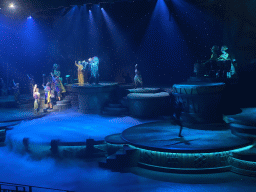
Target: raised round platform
column 201, row 100
column 145, row 90
column 163, row 136
column 93, row 97
column 148, row 104
column 198, row 151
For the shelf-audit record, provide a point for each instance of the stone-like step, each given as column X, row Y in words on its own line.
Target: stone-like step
column 65, row 101
column 62, row 106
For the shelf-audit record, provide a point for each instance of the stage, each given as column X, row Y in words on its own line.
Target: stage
column 156, row 141
column 163, row 136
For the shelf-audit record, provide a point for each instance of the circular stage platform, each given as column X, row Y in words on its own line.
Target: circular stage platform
column 93, row 97
column 198, row 151
column 163, row 136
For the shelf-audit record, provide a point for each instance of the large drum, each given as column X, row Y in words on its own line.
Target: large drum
column 201, row 101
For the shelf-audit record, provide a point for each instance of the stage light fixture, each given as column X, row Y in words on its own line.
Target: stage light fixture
column 29, row 17
column 11, row 5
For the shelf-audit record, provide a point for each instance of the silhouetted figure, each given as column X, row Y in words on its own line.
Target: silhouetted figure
column 4, row 90
column 137, row 77
column 31, row 83
column 177, row 112
column 16, row 90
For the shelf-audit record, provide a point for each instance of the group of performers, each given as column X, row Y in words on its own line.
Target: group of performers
column 53, row 90
column 91, row 65
column 219, row 65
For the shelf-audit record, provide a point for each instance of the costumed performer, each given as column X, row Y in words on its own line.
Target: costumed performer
column 31, row 83
column 137, row 77
column 94, row 63
column 80, row 74
column 16, row 89
column 224, row 56
column 57, row 86
column 57, row 73
column 36, row 96
column 3, row 87
column 47, row 91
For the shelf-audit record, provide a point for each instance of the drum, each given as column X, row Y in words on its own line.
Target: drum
column 201, row 101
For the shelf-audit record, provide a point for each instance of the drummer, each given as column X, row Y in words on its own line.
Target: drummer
column 224, row 56
column 214, row 50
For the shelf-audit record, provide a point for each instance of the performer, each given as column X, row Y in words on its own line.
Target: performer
column 178, row 111
column 3, row 87
column 137, row 77
column 80, row 68
column 31, row 83
column 57, row 86
column 94, row 63
column 57, row 73
column 214, row 50
column 47, row 91
column 56, row 69
column 36, row 96
column 16, row 90
column 224, row 56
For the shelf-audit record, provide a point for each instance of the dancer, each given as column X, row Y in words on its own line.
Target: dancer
column 31, row 83
column 3, row 87
column 94, row 63
column 16, row 90
column 57, row 86
column 56, row 69
column 47, row 91
column 36, row 96
column 178, row 111
column 80, row 68
column 137, row 77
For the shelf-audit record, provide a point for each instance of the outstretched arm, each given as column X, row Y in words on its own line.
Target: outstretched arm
column 76, row 64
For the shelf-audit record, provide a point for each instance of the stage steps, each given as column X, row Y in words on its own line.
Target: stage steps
column 123, row 158
column 115, row 109
column 62, row 104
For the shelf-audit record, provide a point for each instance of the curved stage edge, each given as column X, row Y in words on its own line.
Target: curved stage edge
column 200, row 151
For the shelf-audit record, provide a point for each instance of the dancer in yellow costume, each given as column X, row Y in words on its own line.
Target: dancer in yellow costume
column 36, row 96
column 80, row 68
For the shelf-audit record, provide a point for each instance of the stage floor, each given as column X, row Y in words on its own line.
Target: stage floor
column 163, row 136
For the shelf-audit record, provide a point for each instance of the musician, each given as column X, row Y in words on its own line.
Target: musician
column 214, row 50
column 80, row 72
column 224, row 56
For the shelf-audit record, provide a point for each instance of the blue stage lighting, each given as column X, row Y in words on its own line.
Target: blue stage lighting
column 29, row 17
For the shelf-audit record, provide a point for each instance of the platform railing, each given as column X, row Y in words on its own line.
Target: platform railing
column 24, row 188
